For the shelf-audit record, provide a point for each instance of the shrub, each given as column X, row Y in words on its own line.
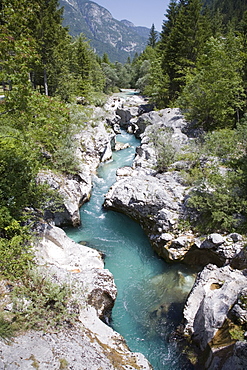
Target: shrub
column 165, row 149
column 6, row 329
column 41, row 304
column 220, row 203
column 15, row 247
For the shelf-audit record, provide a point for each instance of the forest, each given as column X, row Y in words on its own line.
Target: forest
column 198, row 63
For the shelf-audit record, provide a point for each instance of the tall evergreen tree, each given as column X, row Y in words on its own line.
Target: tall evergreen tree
column 183, row 43
column 214, row 94
column 85, row 68
column 153, row 37
column 51, row 36
column 169, row 22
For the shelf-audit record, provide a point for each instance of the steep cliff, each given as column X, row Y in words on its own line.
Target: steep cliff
column 119, row 39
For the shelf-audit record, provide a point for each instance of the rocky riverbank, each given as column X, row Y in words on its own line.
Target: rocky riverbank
column 90, row 343
column 156, row 196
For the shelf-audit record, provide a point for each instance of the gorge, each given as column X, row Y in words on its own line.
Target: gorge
column 149, row 293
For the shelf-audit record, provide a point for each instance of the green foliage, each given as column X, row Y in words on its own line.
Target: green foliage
column 17, row 171
column 63, row 364
column 6, row 330
column 40, row 304
column 15, row 246
column 153, row 37
column 232, row 10
column 49, row 122
column 214, row 92
column 219, row 179
column 183, row 36
column 164, row 147
column 156, row 86
column 220, row 203
column 142, row 69
column 111, row 77
column 237, row 333
column 222, row 144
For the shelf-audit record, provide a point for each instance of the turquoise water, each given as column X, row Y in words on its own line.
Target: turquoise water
column 150, row 292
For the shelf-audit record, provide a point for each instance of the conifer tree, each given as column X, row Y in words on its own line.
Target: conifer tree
column 214, row 94
column 169, row 22
column 153, row 37
column 51, row 38
column 183, row 37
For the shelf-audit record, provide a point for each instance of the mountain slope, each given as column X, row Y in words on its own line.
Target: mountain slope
column 231, row 9
column 119, row 39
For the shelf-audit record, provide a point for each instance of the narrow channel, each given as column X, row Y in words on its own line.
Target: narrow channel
column 151, row 292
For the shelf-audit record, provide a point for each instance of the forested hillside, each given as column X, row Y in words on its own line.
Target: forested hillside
column 200, row 65
column 230, row 9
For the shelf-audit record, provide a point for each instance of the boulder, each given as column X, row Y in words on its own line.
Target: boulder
column 153, row 201
column 169, row 117
column 215, row 292
column 126, row 114
column 74, row 190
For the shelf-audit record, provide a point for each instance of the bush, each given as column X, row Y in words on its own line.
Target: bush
column 6, row 329
column 41, row 304
column 15, row 247
column 220, row 203
column 164, row 147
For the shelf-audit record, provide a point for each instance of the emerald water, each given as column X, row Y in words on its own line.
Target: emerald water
column 151, row 292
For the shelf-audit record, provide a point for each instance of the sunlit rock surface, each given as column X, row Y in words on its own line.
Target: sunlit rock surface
column 157, row 200
column 90, row 344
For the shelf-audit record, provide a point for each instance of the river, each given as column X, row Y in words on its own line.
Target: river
column 151, row 293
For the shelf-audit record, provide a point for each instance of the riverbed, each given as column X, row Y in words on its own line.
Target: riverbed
column 151, row 293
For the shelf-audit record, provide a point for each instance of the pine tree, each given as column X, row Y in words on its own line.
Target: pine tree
column 183, row 39
column 51, row 38
column 169, row 23
column 153, row 37
column 214, row 94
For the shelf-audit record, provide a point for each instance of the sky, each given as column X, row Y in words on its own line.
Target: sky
column 139, row 12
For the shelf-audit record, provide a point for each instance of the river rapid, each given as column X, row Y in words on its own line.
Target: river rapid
column 151, row 293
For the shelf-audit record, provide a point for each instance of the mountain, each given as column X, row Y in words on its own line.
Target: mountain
column 119, row 39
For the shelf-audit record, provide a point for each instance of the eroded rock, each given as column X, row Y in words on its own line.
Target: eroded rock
column 209, row 304
column 90, row 344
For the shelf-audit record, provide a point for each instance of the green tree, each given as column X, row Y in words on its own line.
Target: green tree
column 169, row 22
column 105, row 59
column 124, row 75
column 156, row 83
column 51, row 38
column 17, row 54
column 111, row 78
column 82, row 65
column 214, row 93
column 183, row 39
column 153, row 37
column 87, row 74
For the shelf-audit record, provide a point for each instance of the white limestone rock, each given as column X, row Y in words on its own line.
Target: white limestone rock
column 213, row 295
column 75, row 190
column 90, row 344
